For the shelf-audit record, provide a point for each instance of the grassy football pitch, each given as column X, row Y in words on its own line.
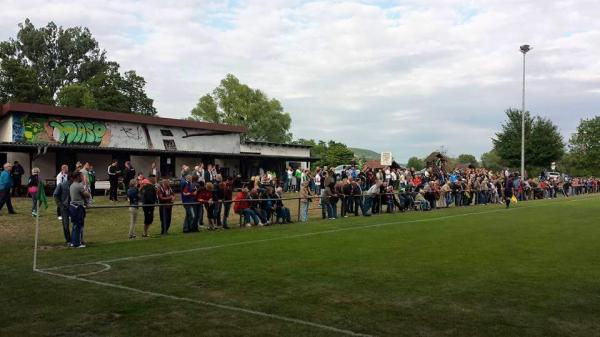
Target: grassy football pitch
column 533, row 270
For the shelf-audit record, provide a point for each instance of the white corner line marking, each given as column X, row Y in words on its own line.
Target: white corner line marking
column 107, row 267
column 210, row 304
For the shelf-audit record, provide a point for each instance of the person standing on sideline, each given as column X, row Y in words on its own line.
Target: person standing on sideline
column 508, row 190
column 33, row 184
column 305, row 199
column 165, row 199
column 77, row 210
column 17, row 173
column 92, row 179
column 298, row 175
column 197, row 185
column 128, row 173
column 218, row 197
column 5, row 185
column 154, row 171
column 148, row 196
column 61, row 177
column 133, row 197
column 188, row 198
column 289, row 179
column 113, row 179
column 227, row 188
column 85, row 178
column 63, row 199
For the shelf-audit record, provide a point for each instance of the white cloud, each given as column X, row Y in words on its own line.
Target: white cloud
column 406, row 76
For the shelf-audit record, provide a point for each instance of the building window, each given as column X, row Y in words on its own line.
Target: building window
column 166, row 132
column 170, row 145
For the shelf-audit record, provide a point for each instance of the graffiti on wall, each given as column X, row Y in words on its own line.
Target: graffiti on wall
column 77, row 132
column 35, row 130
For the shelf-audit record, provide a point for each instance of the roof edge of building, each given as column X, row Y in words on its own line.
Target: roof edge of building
column 255, row 142
column 115, row 116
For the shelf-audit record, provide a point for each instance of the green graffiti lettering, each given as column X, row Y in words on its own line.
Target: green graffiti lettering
column 78, row 132
column 99, row 129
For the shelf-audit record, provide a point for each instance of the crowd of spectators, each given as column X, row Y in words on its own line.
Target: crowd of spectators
column 209, row 198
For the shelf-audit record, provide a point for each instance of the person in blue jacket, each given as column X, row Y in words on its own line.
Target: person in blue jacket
column 5, row 186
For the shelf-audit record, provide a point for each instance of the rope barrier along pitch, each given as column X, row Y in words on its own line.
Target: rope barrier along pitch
column 221, row 201
column 301, row 235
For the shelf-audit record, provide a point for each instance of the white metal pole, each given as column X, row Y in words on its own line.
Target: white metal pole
column 523, row 124
column 37, row 232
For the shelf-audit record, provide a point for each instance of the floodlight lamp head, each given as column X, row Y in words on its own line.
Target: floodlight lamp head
column 525, row 48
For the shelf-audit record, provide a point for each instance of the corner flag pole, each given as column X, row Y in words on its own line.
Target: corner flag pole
column 37, row 233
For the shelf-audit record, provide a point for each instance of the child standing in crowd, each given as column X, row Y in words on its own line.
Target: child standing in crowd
column 227, row 188
column 149, row 199
column 205, row 198
column 32, row 189
column 133, row 197
column 165, row 199
column 305, row 200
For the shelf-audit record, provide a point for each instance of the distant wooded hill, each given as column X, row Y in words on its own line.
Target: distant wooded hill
column 365, row 153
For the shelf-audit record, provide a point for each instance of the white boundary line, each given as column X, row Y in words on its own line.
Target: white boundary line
column 107, row 267
column 210, row 304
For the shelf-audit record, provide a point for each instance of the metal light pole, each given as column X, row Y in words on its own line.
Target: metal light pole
column 524, row 49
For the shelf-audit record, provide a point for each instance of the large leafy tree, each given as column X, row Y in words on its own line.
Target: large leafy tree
column 468, row 159
column 584, row 146
column 43, row 62
column 76, row 95
column 492, row 161
column 416, row 163
column 546, row 143
column 233, row 102
column 330, row 153
column 543, row 142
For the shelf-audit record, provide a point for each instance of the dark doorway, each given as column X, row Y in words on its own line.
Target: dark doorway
column 167, row 166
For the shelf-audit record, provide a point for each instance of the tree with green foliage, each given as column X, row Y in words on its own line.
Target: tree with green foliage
column 468, row 159
column 233, row 102
column 546, row 143
column 543, row 143
column 584, row 149
column 76, row 95
column 39, row 65
column 492, row 161
column 330, row 153
column 338, row 154
column 416, row 163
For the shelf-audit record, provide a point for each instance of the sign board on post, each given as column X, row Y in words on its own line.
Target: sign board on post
column 386, row 158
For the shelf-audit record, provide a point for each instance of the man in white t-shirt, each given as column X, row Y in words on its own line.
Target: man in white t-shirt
column 61, row 177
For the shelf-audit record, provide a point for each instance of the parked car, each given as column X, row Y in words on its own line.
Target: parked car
column 553, row 175
column 338, row 169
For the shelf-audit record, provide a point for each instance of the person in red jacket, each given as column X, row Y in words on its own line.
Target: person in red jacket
column 227, row 188
column 241, row 206
column 205, row 198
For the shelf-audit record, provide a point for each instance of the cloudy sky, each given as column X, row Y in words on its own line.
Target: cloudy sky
column 401, row 76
